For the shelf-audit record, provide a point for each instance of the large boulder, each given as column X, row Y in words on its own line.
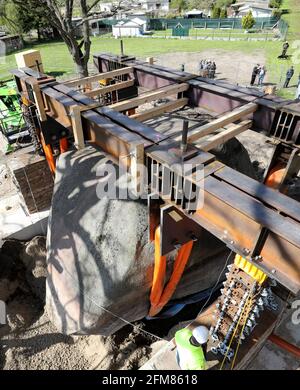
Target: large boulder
column 100, row 260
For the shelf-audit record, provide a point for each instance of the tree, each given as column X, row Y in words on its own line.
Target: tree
column 248, row 21
column 275, row 3
column 201, row 4
column 181, row 5
column 60, row 14
column 223, row 13
column 31, row 18
column 216, row 12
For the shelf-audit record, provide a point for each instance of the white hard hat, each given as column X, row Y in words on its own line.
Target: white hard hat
column 201, row 334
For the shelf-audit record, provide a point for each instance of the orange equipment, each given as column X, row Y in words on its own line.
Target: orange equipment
column 161, row 295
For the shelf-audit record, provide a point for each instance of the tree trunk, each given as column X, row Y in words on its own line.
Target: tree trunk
column 82, row 68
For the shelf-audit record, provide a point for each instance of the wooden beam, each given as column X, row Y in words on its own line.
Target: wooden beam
column 149, row 97
column 110, row 88
column 224, row 120
column 100, row 76
column 39, row 101
column 137, row 169
column 225, row 135
column 77, row 127
column 157, row 111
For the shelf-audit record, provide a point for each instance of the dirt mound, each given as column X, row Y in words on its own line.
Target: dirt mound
column 30, row 341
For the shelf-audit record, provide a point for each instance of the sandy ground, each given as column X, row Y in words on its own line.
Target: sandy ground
column 30, row 341
column 234, row 67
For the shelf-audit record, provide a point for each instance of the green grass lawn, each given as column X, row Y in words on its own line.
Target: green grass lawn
column 56, row 57
column 57, row 60
column 292, row 18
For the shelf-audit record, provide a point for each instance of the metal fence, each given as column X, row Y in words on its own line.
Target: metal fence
column 264, row 25
column 232, row 23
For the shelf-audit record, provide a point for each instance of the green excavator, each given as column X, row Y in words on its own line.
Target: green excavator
column 12, row 123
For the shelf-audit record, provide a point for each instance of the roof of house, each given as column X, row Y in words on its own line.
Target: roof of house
column 262, row 4
column 256, row 6
column 130, row 23
column 194, row 12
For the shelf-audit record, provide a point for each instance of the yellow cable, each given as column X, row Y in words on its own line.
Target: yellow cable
column 234, row 332
column 237, row 348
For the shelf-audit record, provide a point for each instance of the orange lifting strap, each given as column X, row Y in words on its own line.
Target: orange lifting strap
column 64, row 145
column 49, row 156
column 161, row 295
column 275, row 176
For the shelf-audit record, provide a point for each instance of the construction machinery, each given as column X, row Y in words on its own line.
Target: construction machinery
column 192, row 196
column 12, row 123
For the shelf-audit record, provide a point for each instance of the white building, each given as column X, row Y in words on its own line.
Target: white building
column 105, row 7
column 132, row 28
column 258, row 11
column 155, row 5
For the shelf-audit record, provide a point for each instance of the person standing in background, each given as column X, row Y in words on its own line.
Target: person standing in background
column 255, row 71
column 261, row 75
column 289, row 75
column 285, row 47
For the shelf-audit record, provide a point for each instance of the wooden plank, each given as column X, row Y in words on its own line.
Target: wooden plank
column 136, row 169
column 157, row 111
column 139, row 128
column 39, row 102
column 110, row 88
column 120, row 119
column 76, row 95
column 77, row 127
column 100, row 76
column 149, row 97
column 224, row 120
column 224, row 135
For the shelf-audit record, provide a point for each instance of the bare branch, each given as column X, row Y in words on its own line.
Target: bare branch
column 92, row 6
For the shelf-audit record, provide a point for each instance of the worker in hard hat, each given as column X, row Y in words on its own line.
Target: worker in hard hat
column 191, row 348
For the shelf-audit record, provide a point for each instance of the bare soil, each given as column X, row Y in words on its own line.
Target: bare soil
column 235, row 67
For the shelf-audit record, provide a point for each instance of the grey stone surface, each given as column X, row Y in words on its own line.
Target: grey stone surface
column 99, row 257
column 100, row 260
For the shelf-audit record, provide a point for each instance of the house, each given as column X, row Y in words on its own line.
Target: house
column 258, row 9
column 130, row 28
column 155, row 5
column 195, row 13
column 105, row 7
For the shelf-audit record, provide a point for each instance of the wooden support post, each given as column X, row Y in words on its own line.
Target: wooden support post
column 77, row 127
column 39, row 101
column 224, row 120
column 110, row 88
column 137, row 169
column 100, row 76
column 225, row 135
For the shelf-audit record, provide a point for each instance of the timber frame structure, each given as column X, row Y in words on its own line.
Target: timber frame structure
column 106, row 115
